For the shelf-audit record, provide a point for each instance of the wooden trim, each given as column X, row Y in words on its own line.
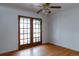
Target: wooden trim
column 29, row 17
column 31, row 31
column 8, row 52
column 46, row 43
column 41, row 30
column 63, row 47
column 18, row 32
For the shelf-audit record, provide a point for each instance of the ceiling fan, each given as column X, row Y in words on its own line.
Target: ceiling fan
column 45, row 7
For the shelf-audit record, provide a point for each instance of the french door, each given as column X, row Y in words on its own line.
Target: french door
column 29, row 32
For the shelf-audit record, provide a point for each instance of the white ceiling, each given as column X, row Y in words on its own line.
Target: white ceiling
column 29, row 6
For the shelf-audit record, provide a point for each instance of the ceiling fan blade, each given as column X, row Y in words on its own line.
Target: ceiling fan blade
column 39, row 11
column 55, row 7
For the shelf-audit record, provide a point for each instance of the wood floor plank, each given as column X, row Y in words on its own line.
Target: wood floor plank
column 44, row 50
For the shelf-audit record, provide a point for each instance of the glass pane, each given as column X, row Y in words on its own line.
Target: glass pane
column 25, row 30
column 28, row 26
column 39, row 22
column 33, row 39
column 21, row 20
column 21, row 25
column 34, row 21
column 25, row 41
column 28, row 36
column 25, row 36
column 29, row 21
column 38, row 30
column 25, row 25
column 28, row 41
column 35, row 30
column 36, row 35
column 36, row 26
column 21, row 30
column 39, row 34
column 21, row 36
column 33, row 35
column 21, row 42
column 36, row 39
column 29, row 30
column 25, row 20
column 39, row 39
column 33, row 25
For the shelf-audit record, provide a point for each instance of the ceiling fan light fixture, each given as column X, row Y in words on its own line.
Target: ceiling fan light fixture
column 46, row 13
column 45, row 8
column 43, row 11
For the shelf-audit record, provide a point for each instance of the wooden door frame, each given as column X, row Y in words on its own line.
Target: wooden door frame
column 18, row 32
column 31, row 30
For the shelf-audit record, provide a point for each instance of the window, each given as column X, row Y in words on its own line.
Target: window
column 24, row 30
column 29, row 30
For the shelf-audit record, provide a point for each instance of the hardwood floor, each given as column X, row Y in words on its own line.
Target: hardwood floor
column 43, row 50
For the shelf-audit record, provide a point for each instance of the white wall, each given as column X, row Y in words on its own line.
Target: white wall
column 64, row 28
column 9, row 27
